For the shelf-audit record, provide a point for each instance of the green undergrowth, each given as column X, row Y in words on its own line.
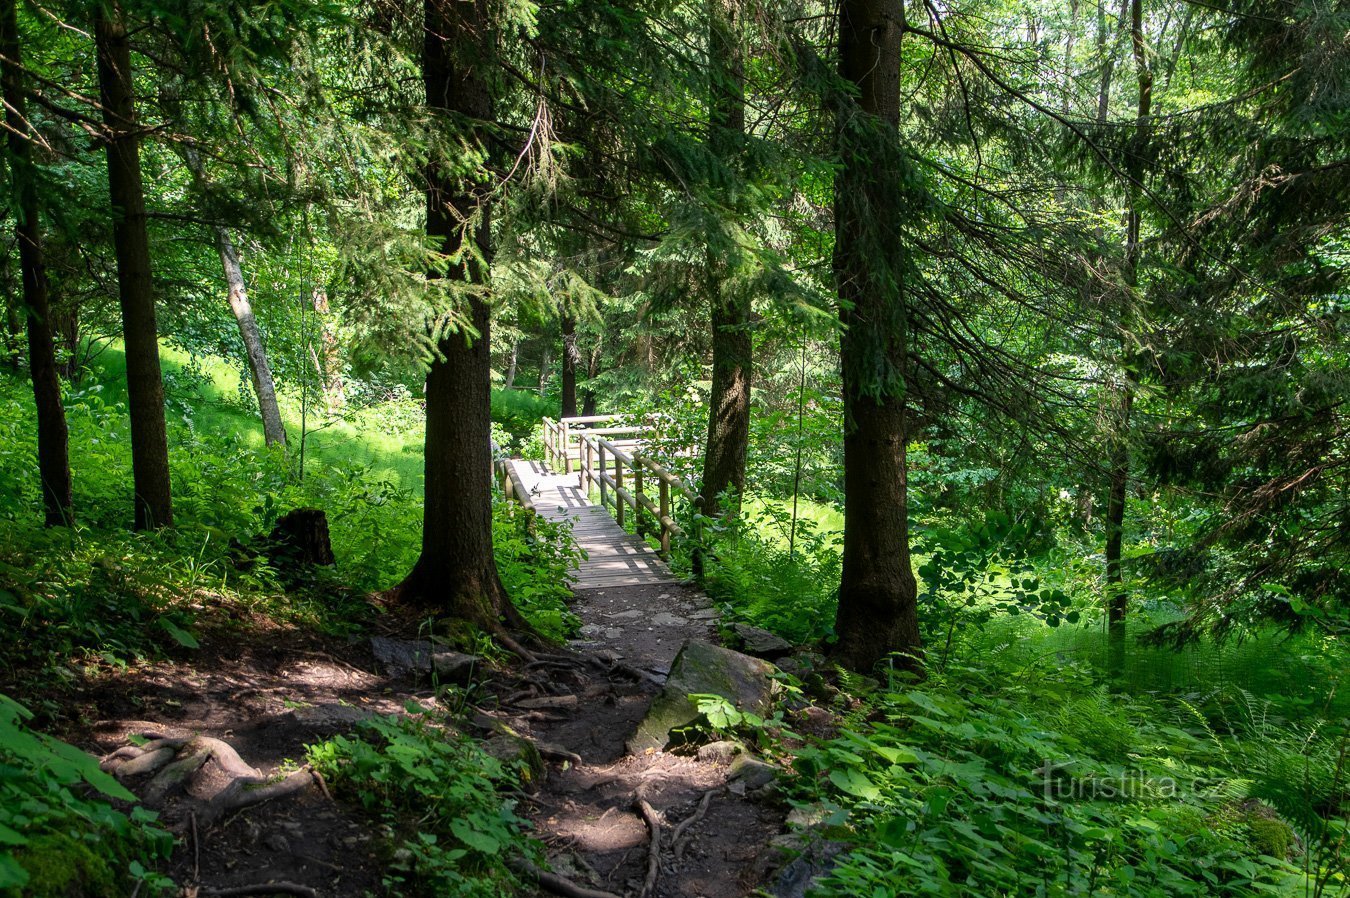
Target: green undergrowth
column 437, row 799
column 59, row 832
column 1011, row 779
column 95, row 594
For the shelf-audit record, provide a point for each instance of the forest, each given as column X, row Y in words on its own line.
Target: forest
column 682, row 449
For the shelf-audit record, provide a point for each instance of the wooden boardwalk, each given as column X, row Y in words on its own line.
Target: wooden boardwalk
column 614, row 557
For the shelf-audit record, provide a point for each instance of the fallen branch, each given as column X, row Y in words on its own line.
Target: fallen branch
column 556, row 884
column 262, row 888
column 654, row 848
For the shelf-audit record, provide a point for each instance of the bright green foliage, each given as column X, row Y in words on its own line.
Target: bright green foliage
column 59, row 835
column 1019, row 778
column 534, row 558
column 434, row 794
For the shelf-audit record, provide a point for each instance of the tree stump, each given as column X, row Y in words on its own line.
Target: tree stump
column 300, row 538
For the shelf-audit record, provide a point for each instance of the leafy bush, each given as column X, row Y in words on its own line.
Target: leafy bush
column 434, row 793
column 758, row 580
column 58, row 833
column 534, row 557
column 1001, row 781
column 519, row 412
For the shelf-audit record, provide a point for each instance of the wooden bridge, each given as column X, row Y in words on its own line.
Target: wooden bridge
column 594, row 464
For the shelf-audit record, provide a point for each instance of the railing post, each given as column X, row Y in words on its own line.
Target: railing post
column 601, row 450
column 637, row 493
column 566, row 447
column 618, row 490
column 665, row 514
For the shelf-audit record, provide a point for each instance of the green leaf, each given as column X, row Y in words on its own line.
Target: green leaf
column 180, row 636
column 475, row 839
column 854, row 782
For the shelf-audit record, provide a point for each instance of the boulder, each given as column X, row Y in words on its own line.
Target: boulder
column 701, row 668
column 423, row 656
column 760, row 642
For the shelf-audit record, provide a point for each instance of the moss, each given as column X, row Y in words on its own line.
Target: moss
column 63, row 866
column 1270, row 835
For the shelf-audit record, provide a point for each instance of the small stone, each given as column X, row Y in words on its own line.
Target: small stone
column 455, row 667
column 276, row 842
column 613, row 633
column 760, row 642
column 756, row 774
column 719, row 752
column 666, row 619
column 704, row 614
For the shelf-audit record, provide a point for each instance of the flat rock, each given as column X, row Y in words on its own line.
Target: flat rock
column 756, row 774
column 424, row 656
column 760, row 642
column 702, row 668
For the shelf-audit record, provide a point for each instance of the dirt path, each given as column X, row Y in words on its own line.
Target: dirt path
column 595, row 812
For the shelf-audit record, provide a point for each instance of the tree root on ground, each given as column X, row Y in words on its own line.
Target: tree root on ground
column 198, row 765
column 653, row 819
column 556, row 884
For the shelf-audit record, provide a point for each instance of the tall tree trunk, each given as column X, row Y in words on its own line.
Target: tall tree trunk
column 545, row 368
column 145, row 386
column 732, row 349
column 512, row 365
column 456, row 573
column 1116, row 596
column 328, row 364
column 274, row 432
column 570, row 359
column 592, row 372
column 53, row 438
column 878, row 611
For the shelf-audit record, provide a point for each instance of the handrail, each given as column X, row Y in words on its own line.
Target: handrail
column 593, row 451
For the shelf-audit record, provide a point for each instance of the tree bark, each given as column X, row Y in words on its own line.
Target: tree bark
column 274, row 432
column 1116, row 596
column 878, row 611
column 330, row 370
column 456, row 573
column 732, row 345
column 570, row 359
column 145, row 386
column 53, row 437
column 510, row 380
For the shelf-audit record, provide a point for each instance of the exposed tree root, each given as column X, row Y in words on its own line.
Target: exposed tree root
column 197, row 765
column 677, row 838
column 653, row 848
column 261, row 888
column 556, row 884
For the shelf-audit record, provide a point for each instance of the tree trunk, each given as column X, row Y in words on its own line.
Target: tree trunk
column 53, row 437
column 545, row 368
column 570, row 358
column 1116, row 597
column 592, row 372
column 732, row 347
column 512, row 365
column 274, row 432
column 145, row 387
column 456, row 573
column 329, row 367
column 878, row 611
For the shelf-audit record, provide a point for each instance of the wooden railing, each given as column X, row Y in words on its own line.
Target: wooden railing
column 619, row 471
column 597, row 473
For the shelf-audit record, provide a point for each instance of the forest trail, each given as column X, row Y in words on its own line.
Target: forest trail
column 590, row 813
column 595, row 809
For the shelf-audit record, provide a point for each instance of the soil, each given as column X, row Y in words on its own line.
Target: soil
column 271, row 694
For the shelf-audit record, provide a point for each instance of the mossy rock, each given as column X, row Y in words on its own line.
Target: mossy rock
column 519, row 754
column 1270, row 835
column 62, row 866
column 702, row 669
